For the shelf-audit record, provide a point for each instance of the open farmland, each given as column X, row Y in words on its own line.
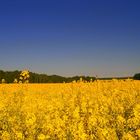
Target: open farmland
column 100, row 110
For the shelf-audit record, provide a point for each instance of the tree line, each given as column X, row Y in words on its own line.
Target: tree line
column 13, row 76
column 137, row 76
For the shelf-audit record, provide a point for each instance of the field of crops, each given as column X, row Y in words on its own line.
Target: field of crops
column 99, row 110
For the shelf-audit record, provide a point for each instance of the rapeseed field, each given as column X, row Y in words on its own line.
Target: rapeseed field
column 99, row 110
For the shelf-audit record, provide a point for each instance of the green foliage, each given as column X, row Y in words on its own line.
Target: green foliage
column 13, row 76
column 9, row 76
column 137, row 76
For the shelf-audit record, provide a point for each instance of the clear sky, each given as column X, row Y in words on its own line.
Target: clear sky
column 71, row 37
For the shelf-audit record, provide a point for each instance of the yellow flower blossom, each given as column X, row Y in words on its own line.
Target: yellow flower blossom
column 41, row 137
column 98, row 110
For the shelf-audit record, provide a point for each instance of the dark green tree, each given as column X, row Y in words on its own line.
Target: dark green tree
column 137, row 76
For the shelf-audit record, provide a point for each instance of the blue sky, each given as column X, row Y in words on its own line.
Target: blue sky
column 71, row 37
